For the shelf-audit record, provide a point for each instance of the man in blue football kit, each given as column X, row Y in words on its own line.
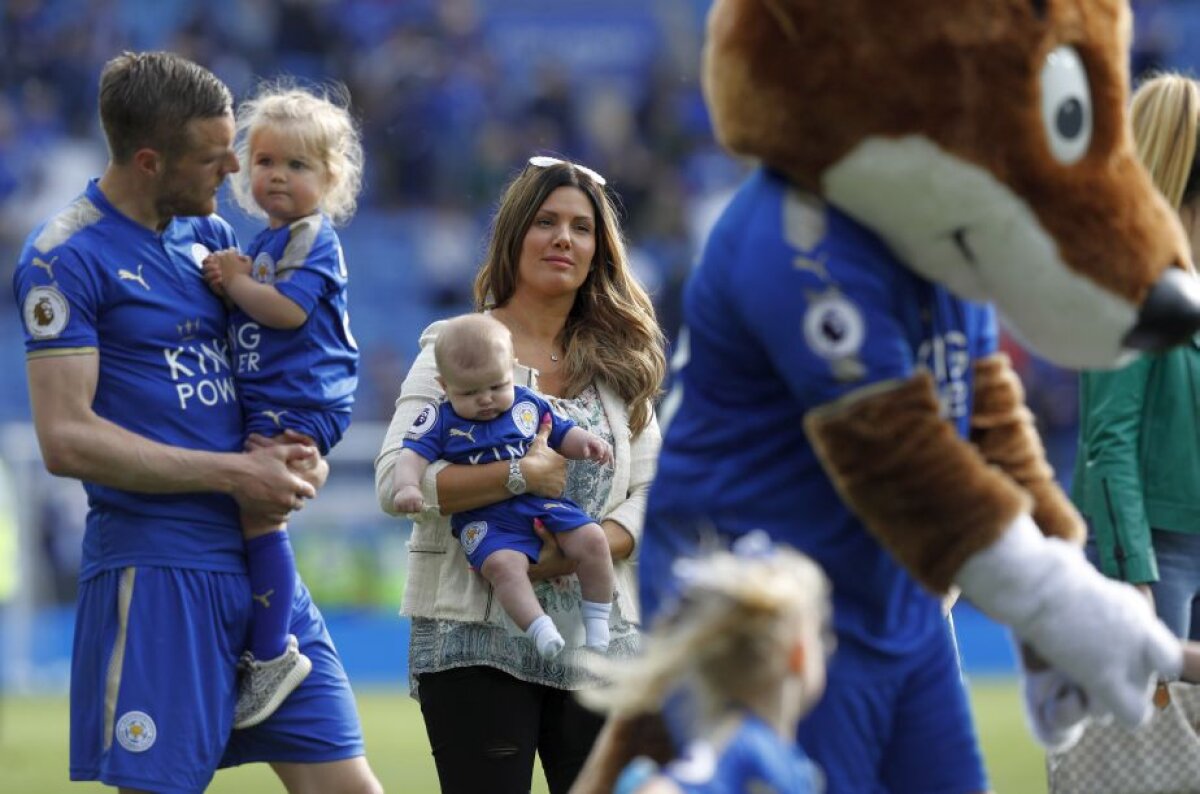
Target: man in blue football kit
column 132, row 391
column 793, row 305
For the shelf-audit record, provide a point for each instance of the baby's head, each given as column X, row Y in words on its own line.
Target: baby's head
column 300, row 152
column 474, row 358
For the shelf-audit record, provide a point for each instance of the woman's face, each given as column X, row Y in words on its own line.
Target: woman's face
column 557, row 253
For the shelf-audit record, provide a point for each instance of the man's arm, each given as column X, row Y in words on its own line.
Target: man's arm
column 78, row 443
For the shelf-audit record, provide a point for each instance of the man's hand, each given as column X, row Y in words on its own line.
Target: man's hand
column 224, row 266
column 306, row 461
column 544, row 469
column 269, row 488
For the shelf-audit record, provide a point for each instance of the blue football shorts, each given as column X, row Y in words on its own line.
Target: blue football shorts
column 898, row 724
column 154, row 679
column 325, row 428
column 509, row 525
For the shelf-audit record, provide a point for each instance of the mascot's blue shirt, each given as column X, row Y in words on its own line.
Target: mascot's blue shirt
column 792, row 306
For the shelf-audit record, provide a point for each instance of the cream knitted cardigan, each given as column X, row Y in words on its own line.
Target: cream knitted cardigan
column 440, row 585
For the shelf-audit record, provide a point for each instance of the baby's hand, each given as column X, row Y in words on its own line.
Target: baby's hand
column 228, row 264
column 211, row 271
column 408, row 500
column 597, row 449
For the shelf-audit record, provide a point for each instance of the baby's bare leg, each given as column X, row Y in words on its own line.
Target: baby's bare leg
column 588, row 546
column 508, row 571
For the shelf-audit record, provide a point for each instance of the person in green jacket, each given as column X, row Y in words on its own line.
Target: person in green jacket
column 1137, row 474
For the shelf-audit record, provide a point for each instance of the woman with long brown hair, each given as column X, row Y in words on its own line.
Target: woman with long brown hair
column 556, row 273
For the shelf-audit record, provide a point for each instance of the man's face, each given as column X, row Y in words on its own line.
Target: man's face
column 191, row 176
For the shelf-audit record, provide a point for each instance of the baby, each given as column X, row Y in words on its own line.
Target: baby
column 483, row 418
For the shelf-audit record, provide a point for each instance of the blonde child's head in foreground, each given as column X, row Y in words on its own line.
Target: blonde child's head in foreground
column 749, row 632
column 300, row 153
column 474, row 356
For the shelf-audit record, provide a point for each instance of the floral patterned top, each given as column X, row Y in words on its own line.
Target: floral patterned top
column 438, row 645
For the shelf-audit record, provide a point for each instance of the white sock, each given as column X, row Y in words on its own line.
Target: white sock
column 595, row 624
column 545, row 635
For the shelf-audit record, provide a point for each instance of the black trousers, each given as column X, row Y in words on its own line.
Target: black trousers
column 484, row 727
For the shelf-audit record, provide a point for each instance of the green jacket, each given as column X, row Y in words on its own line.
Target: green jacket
column 1138, row 464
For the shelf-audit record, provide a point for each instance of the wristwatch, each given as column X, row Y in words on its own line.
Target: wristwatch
column 515, row 483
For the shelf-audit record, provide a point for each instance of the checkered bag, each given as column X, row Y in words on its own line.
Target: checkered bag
column 1162, row 757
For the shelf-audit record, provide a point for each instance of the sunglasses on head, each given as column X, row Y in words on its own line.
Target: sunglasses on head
column 542, row 161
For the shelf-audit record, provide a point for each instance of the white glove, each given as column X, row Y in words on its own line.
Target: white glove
column 1098, row 633
column 1055, row 708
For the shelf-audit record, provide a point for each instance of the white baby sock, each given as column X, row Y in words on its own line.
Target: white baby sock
column 595, row 624
column 545, row 635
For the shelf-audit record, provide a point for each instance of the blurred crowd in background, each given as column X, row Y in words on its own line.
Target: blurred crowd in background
column 452, row 97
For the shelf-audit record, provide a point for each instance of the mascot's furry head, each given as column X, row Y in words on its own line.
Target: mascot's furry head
column 985, row 141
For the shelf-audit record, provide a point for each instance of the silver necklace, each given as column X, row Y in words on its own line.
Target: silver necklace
column 554, row 357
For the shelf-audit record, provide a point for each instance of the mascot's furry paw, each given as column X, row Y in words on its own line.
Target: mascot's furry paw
column 1097, row 632
column 1055, row 706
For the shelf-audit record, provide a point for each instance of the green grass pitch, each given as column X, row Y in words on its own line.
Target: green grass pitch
column 33, row 746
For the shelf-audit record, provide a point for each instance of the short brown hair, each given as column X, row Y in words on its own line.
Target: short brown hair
column 148, row 98
column 469, row 341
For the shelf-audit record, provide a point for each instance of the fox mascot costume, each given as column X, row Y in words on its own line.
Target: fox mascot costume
column 837, row 382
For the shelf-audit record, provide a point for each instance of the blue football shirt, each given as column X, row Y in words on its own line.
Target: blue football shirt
column 314, row 366
column 754, row 760
column 793, row 305
column 91, row 280
column 440, row 433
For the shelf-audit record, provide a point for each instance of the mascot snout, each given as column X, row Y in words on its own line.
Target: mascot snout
column 1170, row 314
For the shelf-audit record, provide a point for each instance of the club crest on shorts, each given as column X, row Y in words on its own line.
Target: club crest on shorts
column 46, row 312
column 136, row 732
column 424, row 421
column 525, row 417
column 472, row 535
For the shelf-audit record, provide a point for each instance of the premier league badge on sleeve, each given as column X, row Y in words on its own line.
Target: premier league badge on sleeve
column 46, row 312
column 200, row 252
column 424, row 421
column 835, row 330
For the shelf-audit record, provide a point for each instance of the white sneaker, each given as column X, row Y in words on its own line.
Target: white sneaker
column 265, row 685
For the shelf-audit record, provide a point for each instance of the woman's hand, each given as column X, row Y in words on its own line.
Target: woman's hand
column 544, row 469
column 551, row 561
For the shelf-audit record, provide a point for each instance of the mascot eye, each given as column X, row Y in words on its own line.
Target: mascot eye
column 1066, row 105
